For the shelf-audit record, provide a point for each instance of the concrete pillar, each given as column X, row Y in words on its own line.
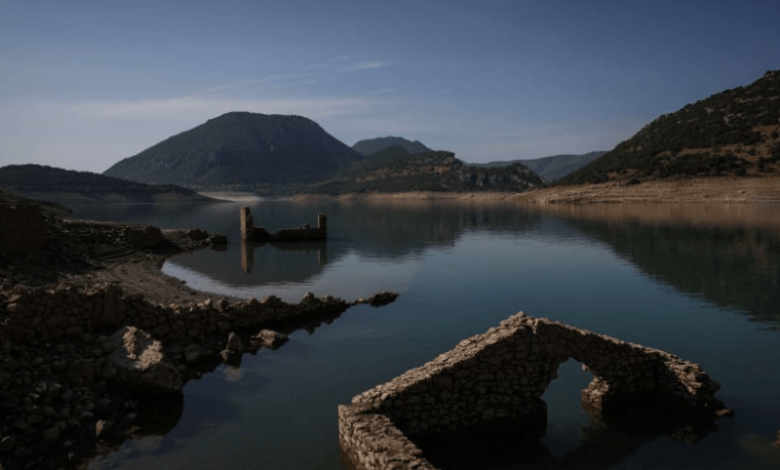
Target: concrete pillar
column 247, row 224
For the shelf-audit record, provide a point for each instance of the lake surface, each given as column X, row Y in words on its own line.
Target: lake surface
column 702, row 282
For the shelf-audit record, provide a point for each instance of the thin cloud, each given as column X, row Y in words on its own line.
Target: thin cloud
column 244, row 83
column 186, row 108
column 383, row 91
column 366, row 66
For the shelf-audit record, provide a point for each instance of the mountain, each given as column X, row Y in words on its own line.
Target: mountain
column 394, row 170
column 241, row 148
column 735, row 132
column 552, row 168
column 371, row 146
column 55, row 184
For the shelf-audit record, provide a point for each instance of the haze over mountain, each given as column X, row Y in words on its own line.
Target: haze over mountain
column 394, row 170
column 554, row 167
column 735, row 132
column 58, row 185
column 241, row 148
column 372, row 146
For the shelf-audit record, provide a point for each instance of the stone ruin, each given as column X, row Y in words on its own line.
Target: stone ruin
column 252, row 234
column 498, row 378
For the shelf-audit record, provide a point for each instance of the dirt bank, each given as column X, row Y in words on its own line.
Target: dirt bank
column 713, row 190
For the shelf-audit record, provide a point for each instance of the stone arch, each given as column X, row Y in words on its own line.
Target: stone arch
column 501, row 375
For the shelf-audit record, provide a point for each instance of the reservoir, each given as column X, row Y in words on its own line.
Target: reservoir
column 699, row 281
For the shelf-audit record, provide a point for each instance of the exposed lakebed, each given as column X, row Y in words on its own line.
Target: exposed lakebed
column 699, row 281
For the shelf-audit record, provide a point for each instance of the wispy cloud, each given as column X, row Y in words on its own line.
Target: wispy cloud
column 186, row 108
column 244, row 83
column 365, row 66
column 383, row 91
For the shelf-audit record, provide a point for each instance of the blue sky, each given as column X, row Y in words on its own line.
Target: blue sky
column 84, row 84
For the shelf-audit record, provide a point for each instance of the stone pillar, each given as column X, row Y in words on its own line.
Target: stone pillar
column 247, row 224
column 322, row 221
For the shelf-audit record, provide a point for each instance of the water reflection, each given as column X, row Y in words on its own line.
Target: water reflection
column 603, row 443
column 278, row 267
column 728, row 254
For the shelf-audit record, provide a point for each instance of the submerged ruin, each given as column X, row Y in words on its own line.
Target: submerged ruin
column 252, row 234
column 496, row 380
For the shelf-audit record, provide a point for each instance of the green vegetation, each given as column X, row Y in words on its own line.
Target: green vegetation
column 394, row 170
column 734, row 132
column 371, row 146
column 36, row 180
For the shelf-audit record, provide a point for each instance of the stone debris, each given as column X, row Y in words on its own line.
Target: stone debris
column 71, row 356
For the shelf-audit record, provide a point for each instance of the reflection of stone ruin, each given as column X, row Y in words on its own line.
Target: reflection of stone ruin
column 500, row 376
column 317, row 246
column 250, row 233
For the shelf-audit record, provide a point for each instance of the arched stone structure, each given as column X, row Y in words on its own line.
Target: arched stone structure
column 500, row 376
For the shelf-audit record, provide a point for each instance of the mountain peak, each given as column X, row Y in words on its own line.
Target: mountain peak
column 240, row 147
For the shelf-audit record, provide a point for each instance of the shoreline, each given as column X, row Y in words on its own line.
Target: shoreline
column 711, row 190
column 94, row 336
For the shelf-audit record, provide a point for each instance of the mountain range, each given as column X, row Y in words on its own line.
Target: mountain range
column 371, row 146
column 551, row 168
column 395, row 170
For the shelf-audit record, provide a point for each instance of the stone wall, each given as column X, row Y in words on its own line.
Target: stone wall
column 52, row 313
column 501, row 375
column 250, row 233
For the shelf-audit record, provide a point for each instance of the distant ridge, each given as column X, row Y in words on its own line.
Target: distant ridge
column 394, row 170
column 554, row 167
column 371, row 146
column 62, row 186
column 732, row 133
column 241, row 148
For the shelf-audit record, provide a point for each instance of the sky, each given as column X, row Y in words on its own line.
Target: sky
column 84, row 84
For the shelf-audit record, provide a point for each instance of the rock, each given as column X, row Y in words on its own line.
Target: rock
column 270, row 339
column 83, row 372
column 197, row 234
column 724, row 412
column 234, row 343
column 145, row 236
column 218, row 239
column 382, row 298
column 51, row 434
column 195, row 353
column 103, row 428
column 140, row 364
column 7, row 444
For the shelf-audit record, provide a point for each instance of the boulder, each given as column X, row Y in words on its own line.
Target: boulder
column 137, row 363
column 234, row 343
column 270, row 338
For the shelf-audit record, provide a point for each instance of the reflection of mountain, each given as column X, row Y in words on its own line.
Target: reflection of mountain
column 407, row 227
column 730, row 258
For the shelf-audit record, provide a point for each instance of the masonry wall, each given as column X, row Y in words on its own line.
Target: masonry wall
column 39, row 313
column 502, row 374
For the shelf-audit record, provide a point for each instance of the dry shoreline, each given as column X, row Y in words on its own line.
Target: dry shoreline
column 713, row 190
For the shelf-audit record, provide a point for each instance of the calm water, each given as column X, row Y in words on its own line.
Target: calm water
column 702, row 282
